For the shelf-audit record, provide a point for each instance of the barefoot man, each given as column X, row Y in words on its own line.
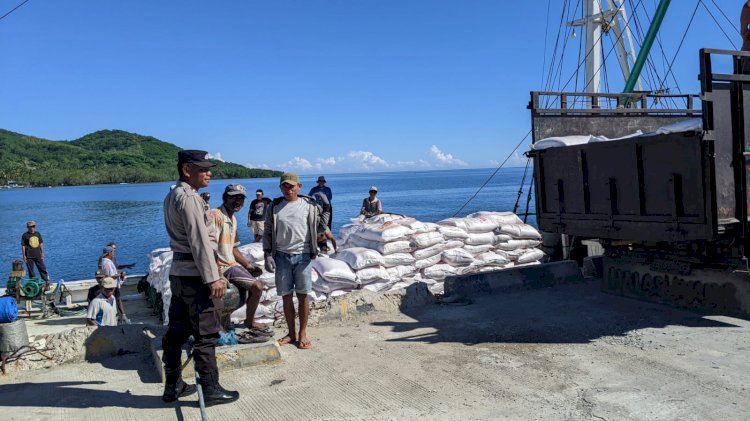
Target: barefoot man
column 294, row 225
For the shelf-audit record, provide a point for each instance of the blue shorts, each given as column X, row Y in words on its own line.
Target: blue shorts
column 293, row 273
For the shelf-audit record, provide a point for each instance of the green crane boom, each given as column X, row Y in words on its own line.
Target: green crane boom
column 661, row 10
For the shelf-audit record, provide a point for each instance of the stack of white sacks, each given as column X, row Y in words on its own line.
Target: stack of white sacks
column 389, row 252
column 393, row 251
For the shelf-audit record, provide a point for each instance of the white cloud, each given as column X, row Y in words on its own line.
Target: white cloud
column 298, row 164
column 262, row 166
column 367, row 159
column 325, row 161
column 446, row 158
column 216, row 156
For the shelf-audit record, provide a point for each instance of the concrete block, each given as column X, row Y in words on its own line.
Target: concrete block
column 513, row 279
column 227, row 357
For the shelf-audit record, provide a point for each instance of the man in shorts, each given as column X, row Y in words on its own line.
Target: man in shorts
column 233, row 265
column 294, row 225
column 256, row 216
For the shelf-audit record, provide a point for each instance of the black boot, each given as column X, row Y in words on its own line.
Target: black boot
column 213, row 393
column 175, row 387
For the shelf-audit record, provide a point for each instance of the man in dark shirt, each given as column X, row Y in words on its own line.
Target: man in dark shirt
column 325, row 190
column 32, row 249
column 94, row 290
column 256, row 216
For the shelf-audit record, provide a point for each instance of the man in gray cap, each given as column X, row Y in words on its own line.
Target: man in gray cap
column 197, row 288
column 294, row 225
column 319, row 193
column 233, row 265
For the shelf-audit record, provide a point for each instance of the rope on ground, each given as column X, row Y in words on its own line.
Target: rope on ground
column 20, row 352
column 493, row 174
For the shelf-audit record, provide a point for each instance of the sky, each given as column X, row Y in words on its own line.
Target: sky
column 312, row 86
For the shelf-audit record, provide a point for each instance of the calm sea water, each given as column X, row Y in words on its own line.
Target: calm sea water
column 77, row 222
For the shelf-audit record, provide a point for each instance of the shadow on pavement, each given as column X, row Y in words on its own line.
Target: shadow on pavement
column 73, row 394
column 573, row 313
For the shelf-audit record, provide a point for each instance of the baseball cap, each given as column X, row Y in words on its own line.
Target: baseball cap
column 194, row 157
column 107, row 250
column 373, row 188
column 289, row 178
column 259, row 191
column 235, row 189
column 109, row 283
column 99, row 274
column 30, row 224
column 321, row 178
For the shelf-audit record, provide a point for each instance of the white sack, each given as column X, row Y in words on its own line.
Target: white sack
column 533, row 255
column 519, row 231
column 438, row 272
column 453, row 233
column 427, row 252
column 478, row 249
column 428, row 261
column 457, row 257
column 360, row 257
column 452, row 244
column 427, row 239
column 378, row 286
column 389, row 231
column 401, row 246
column 417, row 227
column 517, row 244
column 479, row 224
column 398, row 259
column 476, row 239
column 397, row 273
column 268, row 279
column 373, row 274
column 348, row 229
column 334, row 270
column 253, row 252
column 492, row 259
column 500, row 218
column 502, row 238
column 454, row 222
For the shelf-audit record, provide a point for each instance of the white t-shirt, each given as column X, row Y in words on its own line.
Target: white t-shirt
column 292, row 231
column 102, row 312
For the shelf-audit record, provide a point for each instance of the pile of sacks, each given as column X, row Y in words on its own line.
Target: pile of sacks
column 393, row 251
column 388, row 252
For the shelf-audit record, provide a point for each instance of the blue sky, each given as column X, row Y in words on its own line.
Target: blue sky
column 312, row 86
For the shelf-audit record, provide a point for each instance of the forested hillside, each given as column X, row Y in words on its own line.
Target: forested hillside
column 103, row 157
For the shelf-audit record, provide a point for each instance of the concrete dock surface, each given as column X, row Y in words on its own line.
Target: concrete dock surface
column 566, row 352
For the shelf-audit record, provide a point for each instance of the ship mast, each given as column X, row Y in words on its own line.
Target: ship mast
column 599, row 22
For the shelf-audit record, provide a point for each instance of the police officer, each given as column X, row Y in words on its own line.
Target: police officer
column 197, row 289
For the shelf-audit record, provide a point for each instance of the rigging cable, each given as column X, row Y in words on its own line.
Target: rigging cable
column 493, row 174
column 546, row 31
column 528, row 200
column 731, row 24
column 718, row 24
column 520, row 188
column 14, row 9
column 684, row 35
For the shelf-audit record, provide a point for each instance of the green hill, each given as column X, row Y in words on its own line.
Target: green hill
column 103, row 157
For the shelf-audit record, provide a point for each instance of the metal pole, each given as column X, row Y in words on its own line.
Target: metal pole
column 661, row 10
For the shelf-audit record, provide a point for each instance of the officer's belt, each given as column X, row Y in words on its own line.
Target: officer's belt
column 179, row 256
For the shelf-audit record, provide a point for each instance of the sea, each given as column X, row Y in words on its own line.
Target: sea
column 77, row 222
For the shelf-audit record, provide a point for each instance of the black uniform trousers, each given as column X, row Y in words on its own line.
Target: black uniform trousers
column 39, row 263
column 192, row 313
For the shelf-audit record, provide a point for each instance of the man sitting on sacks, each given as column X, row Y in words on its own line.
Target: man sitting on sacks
column 233, row 265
